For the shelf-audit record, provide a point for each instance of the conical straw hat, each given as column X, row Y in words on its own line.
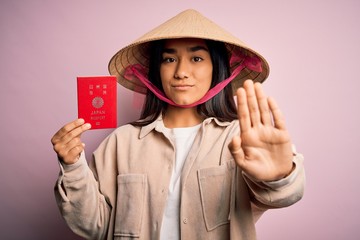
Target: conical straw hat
column 187, row 24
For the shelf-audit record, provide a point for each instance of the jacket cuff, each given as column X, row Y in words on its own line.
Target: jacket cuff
column 75, row 171
column 288, row 179
column 280, row 193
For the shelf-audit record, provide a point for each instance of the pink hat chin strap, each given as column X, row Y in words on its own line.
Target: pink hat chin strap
column 138, row 71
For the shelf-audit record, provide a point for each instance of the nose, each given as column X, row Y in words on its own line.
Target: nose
column 182, row 70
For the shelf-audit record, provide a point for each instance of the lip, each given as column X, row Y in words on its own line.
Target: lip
column 182, row 87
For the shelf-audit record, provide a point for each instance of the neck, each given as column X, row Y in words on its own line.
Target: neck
column 176, row 117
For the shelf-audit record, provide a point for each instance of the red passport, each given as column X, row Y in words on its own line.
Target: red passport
column 97, row 101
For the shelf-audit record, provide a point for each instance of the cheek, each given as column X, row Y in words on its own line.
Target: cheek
column 165, row 73
column 163, row 76
column 207, row 76
column 162, row 73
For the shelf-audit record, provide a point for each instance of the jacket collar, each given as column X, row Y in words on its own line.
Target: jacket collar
column 158, row 125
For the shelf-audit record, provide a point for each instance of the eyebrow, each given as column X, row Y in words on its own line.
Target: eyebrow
column 190, row 49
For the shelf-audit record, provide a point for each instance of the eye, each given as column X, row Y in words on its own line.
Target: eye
column 168, row 60
column 197, row 59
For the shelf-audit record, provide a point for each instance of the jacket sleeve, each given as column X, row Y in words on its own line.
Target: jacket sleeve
column 281, row 193
column 81, row 204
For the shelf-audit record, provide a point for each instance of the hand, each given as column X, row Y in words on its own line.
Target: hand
column 67, row 143
column 263, row 149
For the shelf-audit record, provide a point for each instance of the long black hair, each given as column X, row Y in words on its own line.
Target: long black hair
column 222, row 106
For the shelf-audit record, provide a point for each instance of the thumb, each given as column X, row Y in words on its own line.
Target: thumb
column 236, row 150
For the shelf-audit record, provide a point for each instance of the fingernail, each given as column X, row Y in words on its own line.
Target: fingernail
column 87, row 125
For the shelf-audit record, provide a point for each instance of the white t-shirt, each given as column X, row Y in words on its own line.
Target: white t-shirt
column 183, row 139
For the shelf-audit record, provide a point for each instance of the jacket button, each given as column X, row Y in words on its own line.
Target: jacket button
column 185, row 220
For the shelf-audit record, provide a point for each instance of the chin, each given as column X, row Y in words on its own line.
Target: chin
column 185, row 102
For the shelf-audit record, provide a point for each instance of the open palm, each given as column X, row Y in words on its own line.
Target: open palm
column 263, row 149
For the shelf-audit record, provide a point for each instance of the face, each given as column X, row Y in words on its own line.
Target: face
column 185, row 70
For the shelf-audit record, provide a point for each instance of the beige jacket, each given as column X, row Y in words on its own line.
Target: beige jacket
column 123, row 193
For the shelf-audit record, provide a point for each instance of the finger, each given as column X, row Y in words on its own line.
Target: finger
column 75, row 133
column 69, row 141
column 252, row 103
column 235, row 149
column 66, row 129
column 70, row 131
column 69, row 146
column 70, row 150
column 62, row 149
column 243, row 111
column 73, row 154
column 279, row 120
column 263, row 104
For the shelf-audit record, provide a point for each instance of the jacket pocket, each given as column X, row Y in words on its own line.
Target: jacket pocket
column 215, row 190
column 130, row 205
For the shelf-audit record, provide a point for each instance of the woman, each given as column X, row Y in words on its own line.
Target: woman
column 195, row 166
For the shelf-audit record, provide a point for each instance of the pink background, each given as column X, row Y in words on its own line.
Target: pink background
column 313, row 48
